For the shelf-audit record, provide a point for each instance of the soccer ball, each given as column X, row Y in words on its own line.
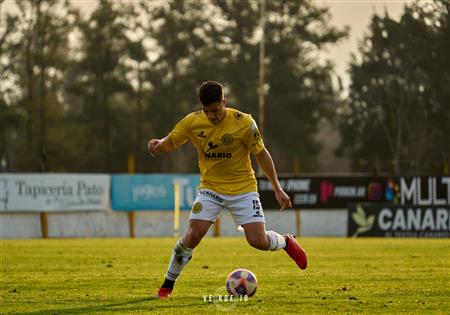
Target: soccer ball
column 241, row 282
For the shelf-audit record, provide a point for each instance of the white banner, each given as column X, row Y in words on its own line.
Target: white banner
column 54, row 192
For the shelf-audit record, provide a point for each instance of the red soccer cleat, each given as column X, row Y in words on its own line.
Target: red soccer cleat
column 163, row 293
column 295, row 251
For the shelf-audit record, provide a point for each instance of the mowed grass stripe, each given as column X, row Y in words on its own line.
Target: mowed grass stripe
column 118, row 276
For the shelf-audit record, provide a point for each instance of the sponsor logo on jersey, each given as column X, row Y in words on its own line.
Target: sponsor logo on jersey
column 227, row 139
column 212, row 195
column 211, row 146
column 217, row 155
column 201, row 134
column 256, row 135
column 197, row 207
column 238, row 115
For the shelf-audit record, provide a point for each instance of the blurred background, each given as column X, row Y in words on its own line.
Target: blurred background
column 85, row 84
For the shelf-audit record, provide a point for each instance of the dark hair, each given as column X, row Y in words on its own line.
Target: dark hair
column 210, row 92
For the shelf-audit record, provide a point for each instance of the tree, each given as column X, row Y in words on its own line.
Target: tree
column 299, row 90
column 180, row 31
column 132, row 70
column 34, row 45
column 396, row 118
column 98, row 91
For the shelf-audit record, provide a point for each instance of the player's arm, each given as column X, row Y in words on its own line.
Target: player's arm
column 160, row 145
column 178, row 136
column 266, row 163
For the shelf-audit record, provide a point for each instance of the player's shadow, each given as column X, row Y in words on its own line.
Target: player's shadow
column 140, row 305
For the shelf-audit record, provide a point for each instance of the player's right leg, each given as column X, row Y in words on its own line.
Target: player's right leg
column 182, row 254
column 207, row 207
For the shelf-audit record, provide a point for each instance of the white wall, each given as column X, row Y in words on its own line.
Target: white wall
column 160, row 223
column 20, row 225
column 324, row 222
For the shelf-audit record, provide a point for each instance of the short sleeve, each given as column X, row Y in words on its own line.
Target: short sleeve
column 252, row 138
column 180, row 133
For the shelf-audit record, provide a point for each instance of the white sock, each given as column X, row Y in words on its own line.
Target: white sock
column 277, row 241
column 180, row 257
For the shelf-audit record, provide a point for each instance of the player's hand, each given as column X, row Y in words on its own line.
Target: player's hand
column 153, row 146
column 283, row 199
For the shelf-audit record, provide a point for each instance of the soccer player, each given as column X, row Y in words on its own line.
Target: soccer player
column 224, row 138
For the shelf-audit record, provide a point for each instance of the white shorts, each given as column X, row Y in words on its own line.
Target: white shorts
column 245, row 208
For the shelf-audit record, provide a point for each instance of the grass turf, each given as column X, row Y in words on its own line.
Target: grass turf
column 107, row 276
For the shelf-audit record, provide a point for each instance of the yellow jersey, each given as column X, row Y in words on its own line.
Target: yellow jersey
column 223, row 149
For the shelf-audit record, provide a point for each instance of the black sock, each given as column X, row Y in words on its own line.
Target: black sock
column 168, row 284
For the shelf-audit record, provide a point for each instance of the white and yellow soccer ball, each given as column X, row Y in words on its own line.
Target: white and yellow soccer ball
column 241, row 282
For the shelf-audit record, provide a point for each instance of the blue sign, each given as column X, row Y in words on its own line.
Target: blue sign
column 152, row 192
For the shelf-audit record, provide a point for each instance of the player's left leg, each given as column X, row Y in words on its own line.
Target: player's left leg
column 258, row 237
column 247, row 211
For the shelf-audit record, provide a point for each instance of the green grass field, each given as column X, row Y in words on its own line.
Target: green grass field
column 118, row 276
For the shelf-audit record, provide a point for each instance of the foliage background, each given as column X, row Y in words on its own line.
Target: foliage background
column 80, row 93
